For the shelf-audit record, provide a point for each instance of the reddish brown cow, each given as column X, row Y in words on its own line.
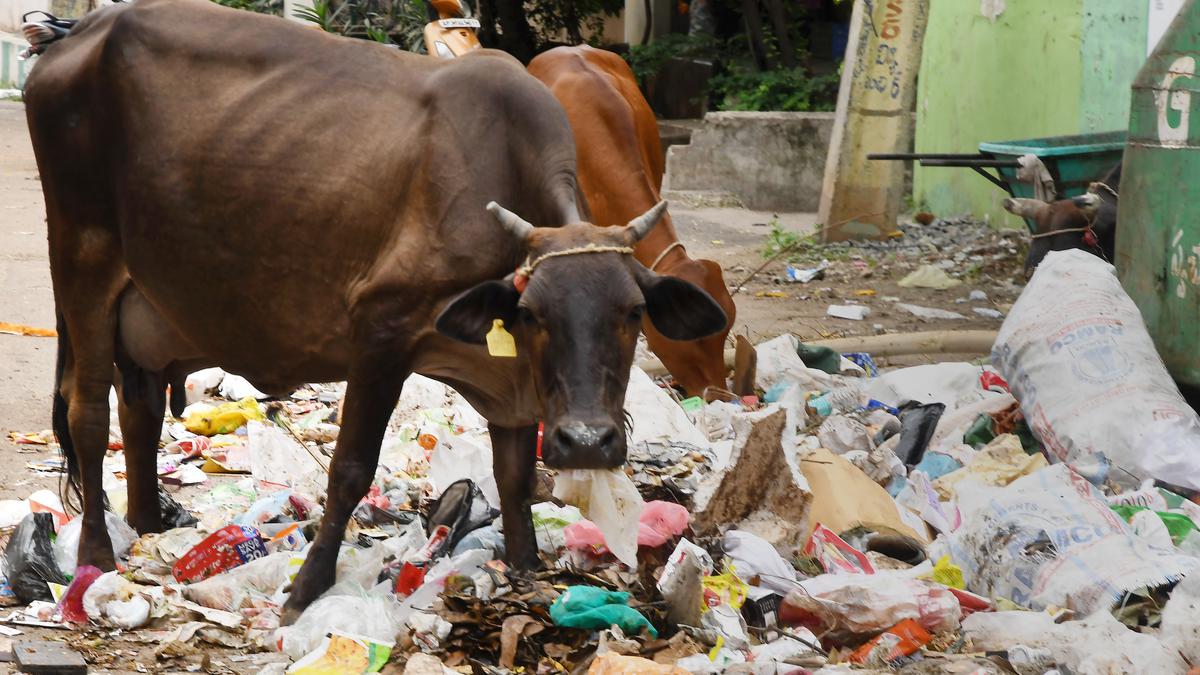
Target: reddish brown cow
column 620, row 171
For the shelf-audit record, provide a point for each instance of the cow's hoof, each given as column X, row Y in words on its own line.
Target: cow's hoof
column 291, row 614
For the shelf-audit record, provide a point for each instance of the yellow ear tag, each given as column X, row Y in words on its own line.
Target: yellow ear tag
column 500, row 342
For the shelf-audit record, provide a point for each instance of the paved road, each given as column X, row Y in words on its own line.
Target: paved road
column 26, row 363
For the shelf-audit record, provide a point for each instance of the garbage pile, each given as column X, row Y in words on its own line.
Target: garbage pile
column 951, row 517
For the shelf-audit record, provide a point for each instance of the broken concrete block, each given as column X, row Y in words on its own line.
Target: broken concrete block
column 48, row 657
column 762, row 490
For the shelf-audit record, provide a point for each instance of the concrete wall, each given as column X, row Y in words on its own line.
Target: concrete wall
column 1037, row 68
column 769, row 161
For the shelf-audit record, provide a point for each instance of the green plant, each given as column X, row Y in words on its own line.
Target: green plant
column 399, row 22
column 569, row 18
column 261, row 6
column 791, row 90
column 646, row 60
column 778, row 239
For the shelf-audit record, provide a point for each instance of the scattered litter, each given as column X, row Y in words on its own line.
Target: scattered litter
column 929, row 313
column 852, row 312
column 806, row 275
column 988, row 312
column 22, row 329
column 929, row 276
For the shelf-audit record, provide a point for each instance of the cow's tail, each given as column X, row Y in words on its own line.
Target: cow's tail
column 69, row 491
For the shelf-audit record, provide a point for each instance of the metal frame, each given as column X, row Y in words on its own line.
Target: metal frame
column 975, row 161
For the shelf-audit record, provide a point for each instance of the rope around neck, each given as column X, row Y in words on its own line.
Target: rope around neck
column 528, row 268
column 654, row 265
column 1055, row 232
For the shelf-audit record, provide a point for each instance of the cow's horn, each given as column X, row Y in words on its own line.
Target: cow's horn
column 1088, row 203
column 1026, row 208
column 511, row 221
column 642, row 225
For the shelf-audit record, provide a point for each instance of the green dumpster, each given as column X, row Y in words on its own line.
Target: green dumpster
column 1158, row 240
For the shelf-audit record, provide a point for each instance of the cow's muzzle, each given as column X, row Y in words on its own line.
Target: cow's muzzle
column 584, row 445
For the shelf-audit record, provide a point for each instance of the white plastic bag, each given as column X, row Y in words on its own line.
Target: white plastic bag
column 777, row 361
column 114, row 599
column 753, row 556
column 1181, row 620
column 869, row 603
column 1078, row 357
column 376, row 616
column 66, row 545
column 608, row 499
column 657, row 418
column 278, row 458
column 1098, row 645
column 954, row 384
column 458, row 457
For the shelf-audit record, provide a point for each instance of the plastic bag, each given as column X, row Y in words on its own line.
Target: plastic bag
column 656, row 418
column 278, row 458
column 209, row 420
column 233, row 590
column 71, row 605
column 378, row 617
column 223, row 550
column 1051, row 539
column 1079, row 359
column 660, row 522
column 681, row 582
column 458, row 457
column 29, row 558
column 611, row 501
column 66, row 547
column 753, row 557
column 173, row 513
column 918, row 422
column 114, row 599
column 869, row 603
column 595, row 608
column 550, row 522
column 1180, row 619
column 463, row 508
column 1097, row 645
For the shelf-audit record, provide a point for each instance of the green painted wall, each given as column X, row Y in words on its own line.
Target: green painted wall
column 1042, row 68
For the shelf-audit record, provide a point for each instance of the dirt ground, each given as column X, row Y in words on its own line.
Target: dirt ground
column 735, row 238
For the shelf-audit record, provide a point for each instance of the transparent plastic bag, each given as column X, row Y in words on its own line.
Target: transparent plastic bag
column 66, row 547
column 611, row 501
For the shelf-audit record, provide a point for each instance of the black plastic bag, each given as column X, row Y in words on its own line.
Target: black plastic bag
column 917, row 424
column 173, row 513
column 29, row 558
column 463, row 508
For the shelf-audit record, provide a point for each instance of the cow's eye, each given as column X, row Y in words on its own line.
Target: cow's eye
column 635, row 314
column 525, row 317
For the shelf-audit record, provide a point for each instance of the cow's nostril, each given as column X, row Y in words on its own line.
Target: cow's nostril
column 578, row 436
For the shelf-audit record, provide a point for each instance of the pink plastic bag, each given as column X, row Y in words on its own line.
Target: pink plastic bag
column 659, row 523
column 71, row 604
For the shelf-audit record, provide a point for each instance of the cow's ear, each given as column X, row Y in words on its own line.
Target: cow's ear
column 468, row 318
column 679, row 309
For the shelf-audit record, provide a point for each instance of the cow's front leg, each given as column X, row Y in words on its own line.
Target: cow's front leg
column 514, row 456
column 371, row 394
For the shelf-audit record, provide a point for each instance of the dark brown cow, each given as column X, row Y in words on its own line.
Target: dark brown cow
column 1087, row 222
column 620, row 171
column 233, row 189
